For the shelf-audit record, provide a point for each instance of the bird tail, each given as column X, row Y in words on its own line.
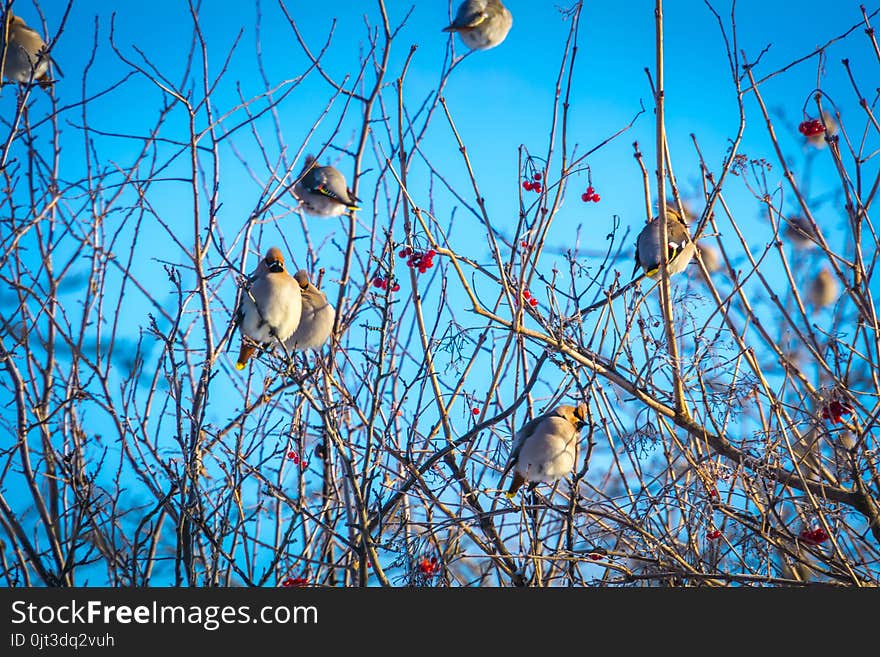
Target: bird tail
column 244, row 355
column 449, row 28
column 518, row 481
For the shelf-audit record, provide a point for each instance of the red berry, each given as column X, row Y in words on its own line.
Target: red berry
column 596, row 198
column 537, row 187
column 595, row 556
column 422, row 269
column 527, row 185
column 814, row 536
column 293, row 456
column 428, row 568
column 524, row 244
column 377, row 281
column 533, row 302
column 395, row 287
column 295, row 582
column 590, row 190
column 526, row 294
column 430, row 253
column 714, row 535
column 585, row 197
column 537, row 176
column 811, row 127
column 475, row 411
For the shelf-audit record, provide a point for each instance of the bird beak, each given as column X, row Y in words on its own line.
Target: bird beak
column 275, row 266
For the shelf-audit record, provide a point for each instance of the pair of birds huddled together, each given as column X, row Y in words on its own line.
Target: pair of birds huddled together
column 277, row 308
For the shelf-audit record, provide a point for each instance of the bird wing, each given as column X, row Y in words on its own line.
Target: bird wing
column 470, row 15
column 527, row 430
column 323, row 183
column 678, row 237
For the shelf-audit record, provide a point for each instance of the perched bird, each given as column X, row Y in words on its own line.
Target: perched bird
column 799, row 231
column 322, row 191
column 823, row 290
column 481, row 24
column 316, row 322
column 545, row 449
column 26, row 56
column 270, row 308
column 680, row 250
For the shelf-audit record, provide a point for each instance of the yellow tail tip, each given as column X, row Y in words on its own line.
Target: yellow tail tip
column 353, row 208
column 510, row 494
column 239, row 366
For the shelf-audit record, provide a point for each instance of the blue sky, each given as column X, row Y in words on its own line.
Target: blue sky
column 508, row 89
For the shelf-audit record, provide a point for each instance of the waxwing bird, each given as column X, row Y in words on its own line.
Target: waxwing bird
column 270, row 308
column 481, row 24
column 800, row 233
column 26, row 57
column 545, row 449
column 316, row 322
column 823, row 290
column 680, row 247
column 322, row 191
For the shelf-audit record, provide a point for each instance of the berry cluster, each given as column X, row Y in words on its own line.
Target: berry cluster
column 814, row 536
column 714, row 535
column 293, row 456
column 418, row 260
column 295, row 582
column 532, row 301
column 811, row 127
column 428, row 567
column 590, row 196
column 534, row 186
column 835, row 411
column 382, row 283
